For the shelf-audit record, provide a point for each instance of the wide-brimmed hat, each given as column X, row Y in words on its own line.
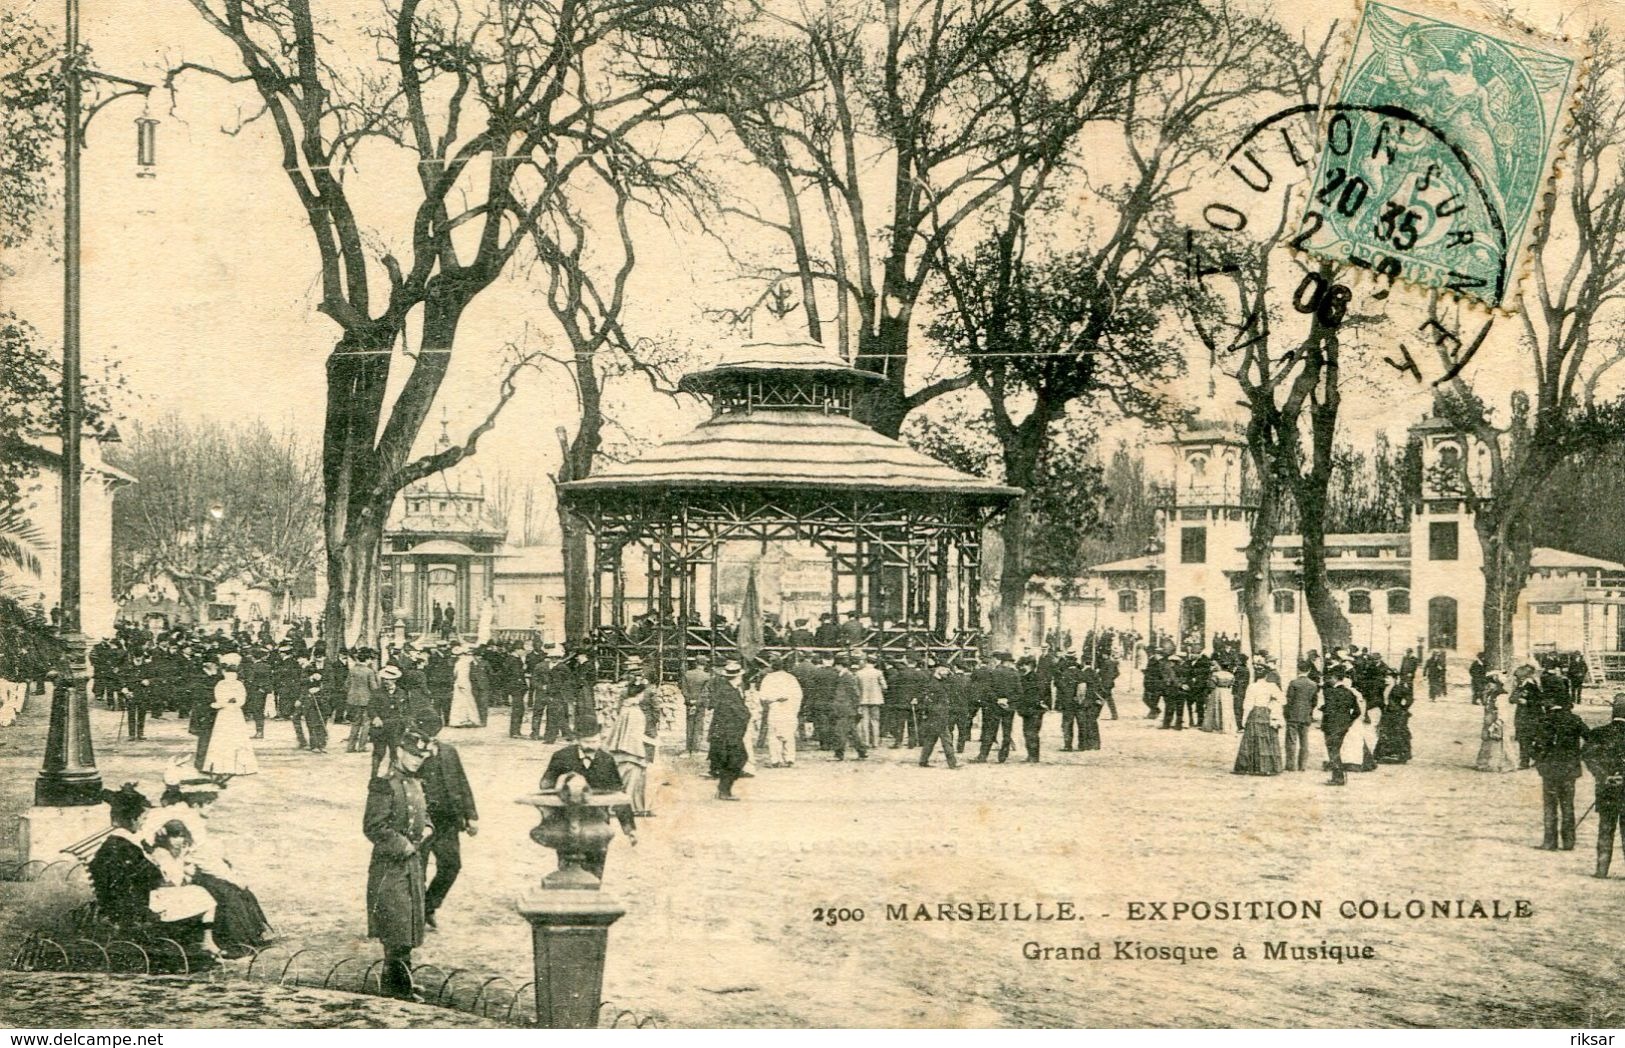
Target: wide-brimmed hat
column 390, row 673
column 733, row 668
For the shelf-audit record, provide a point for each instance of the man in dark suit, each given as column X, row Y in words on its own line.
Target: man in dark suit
column 1559, row 738
column 1001, row 694
column 1341, row 711
column 1068, row 680
column 1301, row 696
column 1604, row 755
column 828, row 634
column 588, row 759
column 1151, row 685
column 936, row 711
column 1032, row 702
column 450, row 801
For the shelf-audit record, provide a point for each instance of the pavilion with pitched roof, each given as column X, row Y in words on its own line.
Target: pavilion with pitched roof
column 782, row 459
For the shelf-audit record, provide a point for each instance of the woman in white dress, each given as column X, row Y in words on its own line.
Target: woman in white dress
column 465, row 712
column 1359, row 751
column 230, row 752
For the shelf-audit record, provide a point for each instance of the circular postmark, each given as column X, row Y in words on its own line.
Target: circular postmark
column 1366, row 198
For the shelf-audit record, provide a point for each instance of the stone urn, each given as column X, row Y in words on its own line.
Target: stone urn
column 575, row 822
column 568, row 914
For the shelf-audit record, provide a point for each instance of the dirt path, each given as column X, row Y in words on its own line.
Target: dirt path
column 720, row 929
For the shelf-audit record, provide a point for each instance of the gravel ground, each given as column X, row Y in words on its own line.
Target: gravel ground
column 721, row 897
column 37, row 1000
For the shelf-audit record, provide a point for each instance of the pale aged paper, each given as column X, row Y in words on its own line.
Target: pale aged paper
column 562, row 480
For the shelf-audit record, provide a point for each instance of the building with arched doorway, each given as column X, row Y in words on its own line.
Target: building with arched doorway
column 1421, row 588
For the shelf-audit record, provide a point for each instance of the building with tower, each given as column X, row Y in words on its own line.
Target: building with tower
column 1421, row 588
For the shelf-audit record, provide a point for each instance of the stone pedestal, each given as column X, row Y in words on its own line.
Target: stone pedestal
column 569, row 938
column 42, row 833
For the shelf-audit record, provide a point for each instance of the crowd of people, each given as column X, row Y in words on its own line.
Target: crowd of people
column 157, row 870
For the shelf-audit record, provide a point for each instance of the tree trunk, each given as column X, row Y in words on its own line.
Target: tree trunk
column 1257, row 584
column 1331, row 625
column 1014, row 573
column 1507, row 552
column 886, row 353
column 577, row 575
column 351, row 617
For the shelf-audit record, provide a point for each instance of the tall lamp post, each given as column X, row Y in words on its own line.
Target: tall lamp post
column 68, row 777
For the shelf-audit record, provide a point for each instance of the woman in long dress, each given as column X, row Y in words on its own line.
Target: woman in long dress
column 1394, row 731
column 1223, row 684
column 633, row 746
column 1359, row 745
column 1262, row 718
column 133, row 890
column 465, row 712
column 230, row 752
column 240, row 925
column 1492, row 747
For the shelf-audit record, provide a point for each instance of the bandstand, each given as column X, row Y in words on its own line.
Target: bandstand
column 783, row 463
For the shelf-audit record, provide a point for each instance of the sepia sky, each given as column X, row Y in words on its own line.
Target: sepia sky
column 201, row 281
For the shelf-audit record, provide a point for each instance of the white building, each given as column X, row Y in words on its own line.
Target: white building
column 1419, row 588
column 42, row 507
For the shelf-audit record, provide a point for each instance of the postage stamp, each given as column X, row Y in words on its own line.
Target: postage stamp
column 1443, row 135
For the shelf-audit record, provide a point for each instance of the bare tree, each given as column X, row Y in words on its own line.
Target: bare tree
column 216, row 503
column 1569, row 307
column 1042, row 332
column 512, row 111
column 886, row 127
column 1290, row 374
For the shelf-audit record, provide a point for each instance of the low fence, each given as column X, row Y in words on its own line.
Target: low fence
column 80, row 943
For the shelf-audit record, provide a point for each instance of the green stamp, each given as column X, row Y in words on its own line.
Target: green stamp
column 1437, row 151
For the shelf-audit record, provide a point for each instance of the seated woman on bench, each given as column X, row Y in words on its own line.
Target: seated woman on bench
column 132, row 890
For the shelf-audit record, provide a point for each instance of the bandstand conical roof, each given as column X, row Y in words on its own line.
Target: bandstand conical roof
column 785, row 446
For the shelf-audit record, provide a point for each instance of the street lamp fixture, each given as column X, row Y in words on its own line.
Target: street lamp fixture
column 68, row 776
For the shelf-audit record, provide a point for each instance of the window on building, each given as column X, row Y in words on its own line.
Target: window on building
column 1442, row 540
column 1193, row 545
column 1159, row 601
column 1359, row 602
column 1399, row 602
column 1128, row 601
column 1548, row 609
column 1286, row 602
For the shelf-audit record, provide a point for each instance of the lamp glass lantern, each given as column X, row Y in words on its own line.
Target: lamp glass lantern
column 146, row 147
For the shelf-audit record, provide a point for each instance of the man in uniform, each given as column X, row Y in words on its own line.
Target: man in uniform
column 397, row 823
column 1559, row 738
column 936, row 711
column 1604, row 756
